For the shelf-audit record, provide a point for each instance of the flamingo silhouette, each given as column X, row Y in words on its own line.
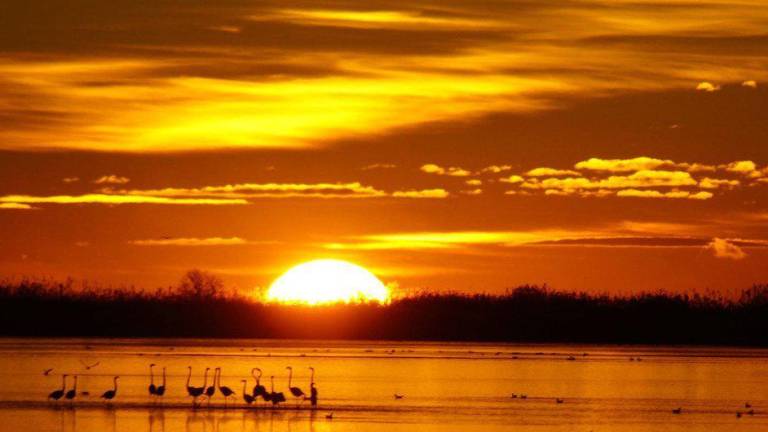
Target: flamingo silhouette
column 196, row 392
column 224, row 390
column 152, row 388
column 70, row 395
column 246, row 397
column 57, row 394
column 110, row 394
column 210, row 390
column 275, row 397
column 160, row 391
column 258, row 389
column 295, row 391
column 312, row 388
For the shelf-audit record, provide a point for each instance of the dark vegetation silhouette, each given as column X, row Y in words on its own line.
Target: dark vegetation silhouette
column 200, row 306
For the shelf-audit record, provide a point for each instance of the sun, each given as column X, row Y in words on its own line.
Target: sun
column 325, row 281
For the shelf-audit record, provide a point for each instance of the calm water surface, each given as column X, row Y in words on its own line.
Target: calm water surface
column 444, row 386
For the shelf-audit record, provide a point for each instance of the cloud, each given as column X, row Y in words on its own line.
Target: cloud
column 744, row 167
column 550, row 172
column 15, row 206
column 474, row 182
column 424, row 193
column 476, row 191
column 116, row 199
column 449, row 171
column 512, row 179
column 496, row 168
column 70, row 179
column 636, row 193
column 623, row 165
column 378, row 166
column 712, row 183
column 190, row 241
column 725, row 249
column 749, row 83
column 639, row 179
column 112, row 179
column 707, row 87
column 265, row 190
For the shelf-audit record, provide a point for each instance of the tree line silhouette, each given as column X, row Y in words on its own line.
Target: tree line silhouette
column 201, row 307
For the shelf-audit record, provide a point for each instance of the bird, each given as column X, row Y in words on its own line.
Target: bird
column 247, row 397
column 57, row 394
column 275, row 397
column 110, row 394
column 152, row 388
column 738, row 414
column 89, row 366
column 329, row 416
column 399, row 396
column 747, row 405
column 258, row 389
column 312, row 388
column 677, row 411
column 523, row 396
column 47, row 371
column 514, row 396
column 160, row 391
column 70, row 395
column 210, row 390
column 295, row 391
column 558, row 400
column 224, row 390
column 196, row 392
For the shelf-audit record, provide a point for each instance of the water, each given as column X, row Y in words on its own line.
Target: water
column 445, row 386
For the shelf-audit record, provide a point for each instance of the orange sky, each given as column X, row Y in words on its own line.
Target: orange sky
column 450, row 145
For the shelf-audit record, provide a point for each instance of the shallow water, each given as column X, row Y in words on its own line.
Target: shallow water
column 445, row 386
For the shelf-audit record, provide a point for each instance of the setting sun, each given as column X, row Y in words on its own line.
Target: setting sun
column 327, row 281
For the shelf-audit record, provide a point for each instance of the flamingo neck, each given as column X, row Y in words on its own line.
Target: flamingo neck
column 151, row 376
column 189, row 376
column 290, row 376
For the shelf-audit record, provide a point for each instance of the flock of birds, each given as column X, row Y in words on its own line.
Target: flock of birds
column 207, row 392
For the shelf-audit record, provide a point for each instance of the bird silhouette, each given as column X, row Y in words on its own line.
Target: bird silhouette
column 677, row 411
column 47, row 371
column 312, row 388
column 258, row 389
column 70, row 395
column 399, row 396
column 196, row 392
column 558, row 400
column 329, row 416
column 275, row 397
column 110, row 394
column 89, row 366
column 247, row 397
column 152, row 388
column 295, row 391
column 210, row 390
column 224, row 390
column 160, row 391
column 57, row 394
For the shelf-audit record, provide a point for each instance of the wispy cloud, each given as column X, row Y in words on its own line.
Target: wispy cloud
column 115, row 199
column 424, row 193
column 112, row 179
column 725, row 249
column 190, row 241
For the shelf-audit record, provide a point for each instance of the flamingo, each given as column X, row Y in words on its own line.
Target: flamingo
column 246, row 397
column 295, row 391
column 196, row 392
column 160, row 391
column 258, row 389
column 70, row 395
column 312, row 388
column 210, row 390
column 224, row 390
column 152, row 388
column 275, row 397
column 110, row 394
column 57, row 394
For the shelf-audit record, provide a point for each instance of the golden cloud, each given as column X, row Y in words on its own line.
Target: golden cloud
column 116, row 199
column 112, row 179
column 15, row 206
column 550, row 172
column 449, row 171
column 622, row 165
